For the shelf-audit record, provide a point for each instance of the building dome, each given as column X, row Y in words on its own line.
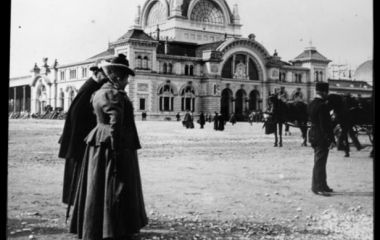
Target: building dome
column 364, row 72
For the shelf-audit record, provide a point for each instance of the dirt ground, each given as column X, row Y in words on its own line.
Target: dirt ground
column 202, row 184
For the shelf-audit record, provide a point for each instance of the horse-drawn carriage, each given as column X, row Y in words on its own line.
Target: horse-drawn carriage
column 351, row 117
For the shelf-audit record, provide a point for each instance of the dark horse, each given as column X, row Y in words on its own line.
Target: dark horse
column 285, row 113
column 349, row 111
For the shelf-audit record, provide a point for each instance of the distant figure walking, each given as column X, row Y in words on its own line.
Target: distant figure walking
column 143, row 116
column 222, row 122
column 232, row 118
column 202, row 119
column 187, row 119
column 216, row 122
column 209, row 117
column 178, row 117
column 250, row 117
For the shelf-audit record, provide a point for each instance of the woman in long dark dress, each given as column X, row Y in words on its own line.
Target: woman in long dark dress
column 216, row 122
column 109, row 202
column 221, row 122
column 202, row 120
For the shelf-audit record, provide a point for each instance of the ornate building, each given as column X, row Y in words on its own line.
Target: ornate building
column 187, row 54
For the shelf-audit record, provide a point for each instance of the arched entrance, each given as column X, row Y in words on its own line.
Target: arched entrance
column 240, row 104
column 226, row 102
column 254, row 98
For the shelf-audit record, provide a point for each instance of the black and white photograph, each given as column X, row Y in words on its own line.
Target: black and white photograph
column 191, row 120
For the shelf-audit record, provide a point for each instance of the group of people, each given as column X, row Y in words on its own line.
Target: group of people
column 99, row 142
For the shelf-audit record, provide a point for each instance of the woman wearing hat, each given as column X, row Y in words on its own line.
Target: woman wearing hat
column 109, row 202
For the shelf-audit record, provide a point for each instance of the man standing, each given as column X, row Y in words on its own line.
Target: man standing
column 143, row 116
column 321, row 137
column 79, row 122
column 216, row 122
column 222, row 122
column 178, row 117
column 202, row 119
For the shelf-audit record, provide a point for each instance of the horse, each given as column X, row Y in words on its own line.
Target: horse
column 286, row 113
column 349, row 111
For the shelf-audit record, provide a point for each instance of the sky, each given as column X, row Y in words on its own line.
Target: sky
column 75, row 30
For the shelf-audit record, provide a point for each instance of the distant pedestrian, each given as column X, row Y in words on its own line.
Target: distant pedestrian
column 250, row 117
column 178, row 117
column 187, row 120
column 232, row 118
column 222, row 122
column 209, row 117
column 216, row 122
column 144, row 116
column 202, row 119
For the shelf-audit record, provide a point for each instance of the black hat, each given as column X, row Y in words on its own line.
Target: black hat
column 122, row 60
column 95, row 65
column 322, row 86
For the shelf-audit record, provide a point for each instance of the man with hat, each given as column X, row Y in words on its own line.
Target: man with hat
column 321, row 137
column 79, row 122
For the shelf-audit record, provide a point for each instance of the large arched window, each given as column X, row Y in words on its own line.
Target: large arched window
column 157, row 14
column 166, row 97
column 186, row 69
column 253, row 102
column 236, row 67
column 191, row 70
column 188, row 98
column 207, row 12
column 139, row 62
column 170, row 68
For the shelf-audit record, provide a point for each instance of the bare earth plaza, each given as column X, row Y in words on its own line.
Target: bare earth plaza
column 187, row 57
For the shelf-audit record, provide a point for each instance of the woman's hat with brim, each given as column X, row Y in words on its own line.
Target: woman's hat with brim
column 117, row 69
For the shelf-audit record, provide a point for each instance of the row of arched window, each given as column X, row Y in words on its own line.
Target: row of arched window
column 167, row 68
column 318, row 76
column 142, row 62
column 166, row 98
column 297, row 77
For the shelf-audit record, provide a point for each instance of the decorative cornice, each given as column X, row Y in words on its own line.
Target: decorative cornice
column 174, row 57
column 287, row 67
column 242, row 42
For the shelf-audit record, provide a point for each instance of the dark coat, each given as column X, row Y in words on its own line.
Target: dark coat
column 79, row 122
column 202, row 119
column 101, row 208
column 216, row 122
column 232, row 119
column 221, row 123
column 321, row 132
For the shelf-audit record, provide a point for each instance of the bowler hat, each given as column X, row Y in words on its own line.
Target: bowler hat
column 322, row 86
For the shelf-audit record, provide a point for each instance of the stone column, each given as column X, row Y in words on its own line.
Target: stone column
column 24, row 100
column 247, row 67
column 233, row 65
column 14, row 99
column 233, row 104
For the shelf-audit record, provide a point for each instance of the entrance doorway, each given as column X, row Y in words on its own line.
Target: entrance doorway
column 254, row 100
column 226, row 102
column 240, row 104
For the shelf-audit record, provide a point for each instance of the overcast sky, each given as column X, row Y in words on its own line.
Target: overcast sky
column 74, row 30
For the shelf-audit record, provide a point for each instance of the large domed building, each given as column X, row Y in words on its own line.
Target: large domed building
column 364, row 72
column 187, row 54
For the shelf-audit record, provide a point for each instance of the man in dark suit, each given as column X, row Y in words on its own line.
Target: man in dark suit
column 321, row 137
column 79, row 122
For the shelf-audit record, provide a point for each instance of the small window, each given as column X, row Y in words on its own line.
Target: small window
column 84, row 72
column 62, row 75
column 212, row 39
column 192, row 37
column 191, row 70
column 199, row 37
column 170, row 68
column 142, row 103
column 145, row 62
column 186, row 69
column 186, row 36
column 165, row 68
column 205, row 38
column 73, row 74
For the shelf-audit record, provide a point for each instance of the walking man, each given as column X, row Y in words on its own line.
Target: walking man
column 321, row 137
column 187, row 119
column 178, row 117
column 143, row 116
column 79, row 122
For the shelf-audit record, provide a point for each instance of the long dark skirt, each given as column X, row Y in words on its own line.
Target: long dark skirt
column 95, row 216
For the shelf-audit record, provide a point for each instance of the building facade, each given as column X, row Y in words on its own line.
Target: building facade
column 187, row 55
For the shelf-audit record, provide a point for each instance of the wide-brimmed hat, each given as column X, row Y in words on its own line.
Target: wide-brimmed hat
column 117, row 69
